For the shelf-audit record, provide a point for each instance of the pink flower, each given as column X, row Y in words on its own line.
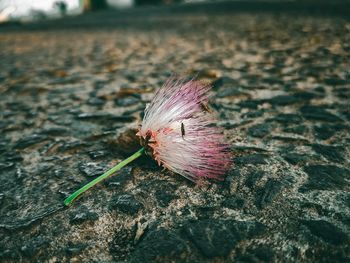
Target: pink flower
column 179, row 132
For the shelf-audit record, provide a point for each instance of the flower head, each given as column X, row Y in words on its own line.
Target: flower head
column 179, row 132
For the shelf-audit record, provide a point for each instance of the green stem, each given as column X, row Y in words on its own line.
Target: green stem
column 86, row 187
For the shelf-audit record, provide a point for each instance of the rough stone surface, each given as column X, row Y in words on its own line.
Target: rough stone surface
column 126, row 203
column 212, row 237
column 327, row 232
column 71, row 101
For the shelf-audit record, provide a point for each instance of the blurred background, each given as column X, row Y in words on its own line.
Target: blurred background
column 31, row 10
column 24, row 10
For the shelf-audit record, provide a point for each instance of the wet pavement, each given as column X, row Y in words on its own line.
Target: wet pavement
column 71, row 100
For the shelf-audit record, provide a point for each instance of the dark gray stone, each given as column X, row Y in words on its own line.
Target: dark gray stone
column 224, row 81
column 335, row 81
column 120, row 178
column 216, row 238
column 266, row 194
column 126, row 203
column 284, row 100
column 128, row 101
column 326, row 231
column 250, row 104
column 253, row 177
column 287, row 118
column 96, row 102
column 92, row 169
column 325, row 177
column 81, row 215
column 318, row 113
column 122, row 244
column 29, row 141
column 332, row 153
column 232, row 91
column 298, row 129
column 6, row 165
column 259, row 130
column 75, row 249
column 295, row 158
column 160, row 245
column 306, row 96
column 251, row 159
column 104, row 117
column 165, row 194
column 213, row 237
column 253, row 114
column 55, row 131
column 99, row 154
column 259, row 254
column 73, row 145
column 326, row 131
column 233, row 202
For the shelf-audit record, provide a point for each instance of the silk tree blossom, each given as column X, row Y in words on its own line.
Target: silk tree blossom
column 179, row 132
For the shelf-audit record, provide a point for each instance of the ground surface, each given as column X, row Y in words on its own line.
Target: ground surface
column 70, row 99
